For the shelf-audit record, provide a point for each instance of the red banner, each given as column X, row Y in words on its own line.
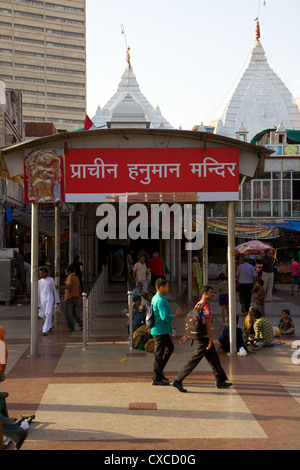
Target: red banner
column 213, row 173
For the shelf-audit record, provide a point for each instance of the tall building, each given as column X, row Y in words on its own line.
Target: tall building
column 11, row 132
column 43, row 54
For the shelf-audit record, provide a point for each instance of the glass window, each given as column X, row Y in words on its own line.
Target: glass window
column 262, row 209
column 257, row 189
column 277, row 209
column 276, row 189
column 296, row 209
column 247, row 209
column 286, row 209
column 286, row 189
column 266, row 189
column 238, row 209
column 276, row 176
column 296, row 189
column 247, row 190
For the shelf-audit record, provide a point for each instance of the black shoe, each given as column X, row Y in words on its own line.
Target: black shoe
column 159, row 382
column 165, row 379
column 179, row 386
column 223, row 384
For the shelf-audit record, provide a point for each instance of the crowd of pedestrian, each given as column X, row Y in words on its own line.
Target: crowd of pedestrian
column 254, row 288
column 148, row 276
column 257, row 286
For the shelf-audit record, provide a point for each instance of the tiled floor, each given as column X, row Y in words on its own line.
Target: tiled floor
column 102, row 397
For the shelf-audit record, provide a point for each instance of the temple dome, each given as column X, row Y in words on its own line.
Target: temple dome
column 128, row 107
column 260, row 100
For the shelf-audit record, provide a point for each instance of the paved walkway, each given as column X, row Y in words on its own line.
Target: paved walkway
column 102, row 397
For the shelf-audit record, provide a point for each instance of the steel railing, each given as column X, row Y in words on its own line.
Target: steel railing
column 91, row 302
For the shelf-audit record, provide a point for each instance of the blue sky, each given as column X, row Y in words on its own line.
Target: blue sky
column 187, row 55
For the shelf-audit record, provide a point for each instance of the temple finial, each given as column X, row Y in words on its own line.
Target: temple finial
column 128, row 57
column 127, row 48
column 257, row 31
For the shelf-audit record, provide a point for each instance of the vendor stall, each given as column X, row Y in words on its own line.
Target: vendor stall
column 284, row 271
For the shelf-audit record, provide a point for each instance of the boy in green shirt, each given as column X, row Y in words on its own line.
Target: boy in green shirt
column 263, row 330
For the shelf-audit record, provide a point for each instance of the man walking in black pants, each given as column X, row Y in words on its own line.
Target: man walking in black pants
column 163, row 344
column 204, row 348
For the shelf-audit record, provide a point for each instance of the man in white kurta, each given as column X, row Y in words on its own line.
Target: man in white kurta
column 47, row 296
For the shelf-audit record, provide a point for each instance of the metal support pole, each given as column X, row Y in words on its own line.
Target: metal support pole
column 71, row 236
column 179, row 265
column 85, row 320
column 231, row 277
column 34, row 278
column 205, row 250
column 168, row 257
column 129, row 293
column 189, row 274
column 57, row 253
column 173, row 259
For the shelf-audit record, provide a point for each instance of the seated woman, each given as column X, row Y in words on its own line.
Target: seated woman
column 248, row 328
column 139, row 317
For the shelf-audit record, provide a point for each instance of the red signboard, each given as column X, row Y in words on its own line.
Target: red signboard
column 212, row 173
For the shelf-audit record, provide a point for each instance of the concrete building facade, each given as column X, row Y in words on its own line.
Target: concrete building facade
column 11, row 132
column 43, row 54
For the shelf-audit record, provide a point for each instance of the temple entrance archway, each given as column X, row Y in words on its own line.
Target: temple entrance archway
column 133, row 166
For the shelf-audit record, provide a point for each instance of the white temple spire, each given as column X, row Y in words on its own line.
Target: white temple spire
column 128, row 107
column 260, row 99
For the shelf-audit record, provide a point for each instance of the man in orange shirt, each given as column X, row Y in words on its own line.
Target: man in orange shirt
column 72, row 294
